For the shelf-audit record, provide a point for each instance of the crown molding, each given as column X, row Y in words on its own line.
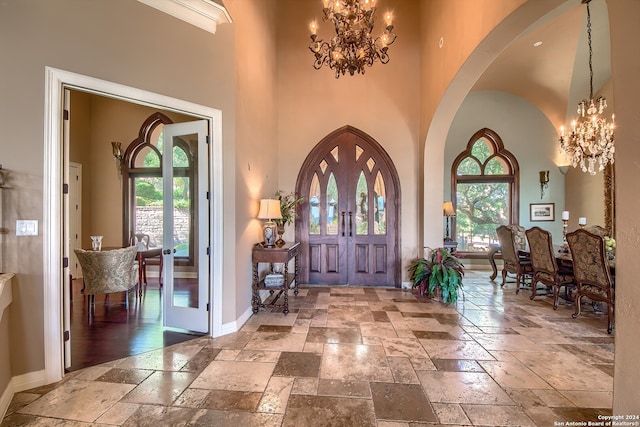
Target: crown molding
column 205, row 14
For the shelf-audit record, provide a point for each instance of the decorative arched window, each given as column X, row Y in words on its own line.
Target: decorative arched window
column 484, row 191
column 143, row 192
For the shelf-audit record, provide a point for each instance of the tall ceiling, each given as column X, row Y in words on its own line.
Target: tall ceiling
column 554, row 76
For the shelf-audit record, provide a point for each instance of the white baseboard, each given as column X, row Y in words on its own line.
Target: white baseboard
column 231, row 327
column 28, row 380
column 18, row 384
column 5, row 399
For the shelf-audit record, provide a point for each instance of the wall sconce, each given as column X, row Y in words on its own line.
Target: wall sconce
column 447, row 209
column 563, row 169
column 116, row 148
column 544, row 182
column 269, row 210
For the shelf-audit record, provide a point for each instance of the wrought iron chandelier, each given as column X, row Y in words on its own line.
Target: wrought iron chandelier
column 591, row 141
column 353, row 47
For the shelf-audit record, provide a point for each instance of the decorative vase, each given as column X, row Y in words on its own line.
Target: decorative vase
column 280, row 229
column 96, row 243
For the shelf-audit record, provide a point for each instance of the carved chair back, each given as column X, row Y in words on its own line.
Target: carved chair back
column 541, row 251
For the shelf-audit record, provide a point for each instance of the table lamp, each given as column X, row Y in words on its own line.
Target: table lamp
column 269, row 210
column 447, row 208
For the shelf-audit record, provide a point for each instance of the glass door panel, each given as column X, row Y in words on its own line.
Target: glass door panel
column 314, row 206
column 379, row 202
column 186, row 226
column 332, row 206
column 362, row 207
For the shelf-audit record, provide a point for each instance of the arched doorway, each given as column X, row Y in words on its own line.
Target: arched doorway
column 349, row 219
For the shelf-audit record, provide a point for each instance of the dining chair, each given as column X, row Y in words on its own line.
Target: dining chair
column 545, row 265
column 598, row 230
column 142, row 242
column 591, row 271
column 108, row 271
column 513, row 261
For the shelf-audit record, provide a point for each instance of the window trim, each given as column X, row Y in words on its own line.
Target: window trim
column 513, row 179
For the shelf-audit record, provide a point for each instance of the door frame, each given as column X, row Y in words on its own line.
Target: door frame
column 312, row 159
column 56, row 81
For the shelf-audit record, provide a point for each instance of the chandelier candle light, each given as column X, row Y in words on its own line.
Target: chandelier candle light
column 590, row 143
column 353, row 47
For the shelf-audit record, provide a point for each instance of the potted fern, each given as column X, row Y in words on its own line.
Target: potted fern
column 440, row 273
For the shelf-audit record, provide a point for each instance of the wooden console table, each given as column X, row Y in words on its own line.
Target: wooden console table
column 279, row 254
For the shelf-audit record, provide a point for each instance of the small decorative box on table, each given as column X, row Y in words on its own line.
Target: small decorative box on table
column 274, row 281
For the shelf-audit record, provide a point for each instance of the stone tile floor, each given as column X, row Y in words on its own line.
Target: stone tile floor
column 356, row 356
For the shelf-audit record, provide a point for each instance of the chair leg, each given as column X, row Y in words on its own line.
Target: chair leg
column 504, row 277
column 144, row 271
column 609, row 318
column 577, row 302
column 534, row 283
column 556, row 295
column 518, row 280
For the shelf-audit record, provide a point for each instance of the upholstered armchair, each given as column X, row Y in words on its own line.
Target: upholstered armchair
column 513, row 262
column 109, row 271
column 592, row 272
column 545, row 265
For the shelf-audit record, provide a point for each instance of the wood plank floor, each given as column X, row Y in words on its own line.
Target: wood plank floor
column 111, row 331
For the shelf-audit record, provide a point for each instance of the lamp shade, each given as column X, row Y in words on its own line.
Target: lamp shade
column 447, row 207
column 269, row 209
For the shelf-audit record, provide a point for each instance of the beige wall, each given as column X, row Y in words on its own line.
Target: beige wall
column 255, row 164
column 384, row 102
column 584, row 197
column 623, row 16
column 79, row 36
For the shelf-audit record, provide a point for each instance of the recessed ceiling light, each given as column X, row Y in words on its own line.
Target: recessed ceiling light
column 538, row 43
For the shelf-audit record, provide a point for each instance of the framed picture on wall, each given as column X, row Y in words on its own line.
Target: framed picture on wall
column 542, row 212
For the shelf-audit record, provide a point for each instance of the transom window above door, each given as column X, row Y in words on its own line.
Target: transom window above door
column 484, row 191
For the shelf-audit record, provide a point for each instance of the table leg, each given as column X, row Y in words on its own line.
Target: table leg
column 140, row 261
column 492, row 253
column 286, row 288
column 255, row 296
column 295, row 274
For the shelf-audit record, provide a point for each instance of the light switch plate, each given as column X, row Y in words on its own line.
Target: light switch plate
column 26, row 227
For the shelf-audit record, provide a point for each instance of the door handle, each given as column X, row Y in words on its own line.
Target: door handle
column 342, row 223
column 350, row 224
column 168, row 251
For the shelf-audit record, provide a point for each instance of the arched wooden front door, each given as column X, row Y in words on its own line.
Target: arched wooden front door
column 348, row 220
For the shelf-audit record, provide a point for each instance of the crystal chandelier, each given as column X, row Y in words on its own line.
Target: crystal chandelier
column 590, row 143
column 352, row 47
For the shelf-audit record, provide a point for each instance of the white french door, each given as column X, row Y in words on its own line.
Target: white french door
column 186, row 226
